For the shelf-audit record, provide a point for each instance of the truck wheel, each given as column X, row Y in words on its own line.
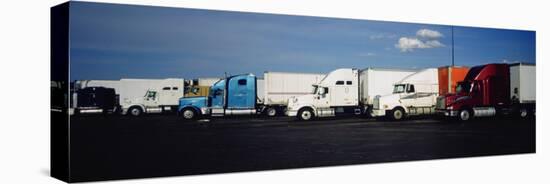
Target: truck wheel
column 397, row 114
column 188, row 114
column 523, row 113
column 135, row 111
column 271, row 111
column 464, row 115
column 305, row 114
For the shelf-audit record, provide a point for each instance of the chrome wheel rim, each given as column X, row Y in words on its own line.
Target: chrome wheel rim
column 306, row 115
column 464, row 115
column 523, row 113
column 188, row 114
column 397, row 114
column 135, row 112
column 271, row 112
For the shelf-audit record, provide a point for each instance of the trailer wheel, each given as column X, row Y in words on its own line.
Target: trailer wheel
column 305, row 114
column 271, row 111
column 464, row 115
column 135, row 111
column 397, row 114
column 523, row 113
column 188, row 114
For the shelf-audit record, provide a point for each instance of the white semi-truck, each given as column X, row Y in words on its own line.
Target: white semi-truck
column 276, row 88
column 346, row 91
column 415, row 94
column 138, row 96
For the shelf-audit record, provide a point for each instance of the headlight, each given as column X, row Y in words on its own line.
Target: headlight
column 385, row 106
column 294, row 100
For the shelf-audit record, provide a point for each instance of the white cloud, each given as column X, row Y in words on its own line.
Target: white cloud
column 425, row 39
column 428, row 34
column 409, row 44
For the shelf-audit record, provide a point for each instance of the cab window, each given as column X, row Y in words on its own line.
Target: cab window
column 242, row 82
column 410, row 89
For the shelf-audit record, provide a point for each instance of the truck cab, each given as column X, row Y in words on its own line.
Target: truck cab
column 235, row 95
column 336, row 93
column 483, row 92
column 414, row 95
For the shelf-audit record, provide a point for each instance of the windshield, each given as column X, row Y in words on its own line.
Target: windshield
column 314, row 89
column 399, row 88
column 463, row 87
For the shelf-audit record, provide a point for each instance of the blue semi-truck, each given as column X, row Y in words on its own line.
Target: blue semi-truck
column 246, row 94
column 235, row 95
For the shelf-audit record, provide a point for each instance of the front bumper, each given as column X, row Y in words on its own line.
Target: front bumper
column 378, row 112
column 291, row 113
column 448, row 113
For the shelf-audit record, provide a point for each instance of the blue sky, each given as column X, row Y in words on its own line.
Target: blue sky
column 119, row 41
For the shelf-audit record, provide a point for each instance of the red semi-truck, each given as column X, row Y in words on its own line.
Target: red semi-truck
column 490, row 90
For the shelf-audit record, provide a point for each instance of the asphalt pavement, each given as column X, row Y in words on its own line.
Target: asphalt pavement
column 122, row 147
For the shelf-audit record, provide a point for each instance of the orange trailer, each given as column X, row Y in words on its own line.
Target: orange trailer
column 449, row 76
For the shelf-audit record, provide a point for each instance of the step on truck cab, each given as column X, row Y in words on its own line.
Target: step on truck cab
column 491, row 90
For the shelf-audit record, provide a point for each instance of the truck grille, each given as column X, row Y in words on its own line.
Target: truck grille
column 376, row 103
column 440, row 103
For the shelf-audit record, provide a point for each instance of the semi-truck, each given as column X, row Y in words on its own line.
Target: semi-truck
column 246, row 95
column 417, row 93
column 138, row 96
column 93, row 100
column 345, row 91
column 490, row 90
column 278, row 87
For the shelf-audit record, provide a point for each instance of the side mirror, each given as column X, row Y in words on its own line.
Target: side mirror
column 195, row 90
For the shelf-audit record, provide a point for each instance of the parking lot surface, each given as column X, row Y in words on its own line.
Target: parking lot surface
column 119, row 147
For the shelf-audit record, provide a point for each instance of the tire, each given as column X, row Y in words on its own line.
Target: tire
column 135, row 111
column 397, row 114
column 271, row 112
column 305, row 114
column 188, row 114
column 465, row 115
column 523, row 113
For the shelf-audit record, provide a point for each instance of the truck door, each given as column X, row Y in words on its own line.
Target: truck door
column 413, row 98
column 241, row 92
column 151, row 98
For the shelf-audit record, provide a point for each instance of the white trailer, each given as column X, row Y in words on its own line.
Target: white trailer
column 415, row 94
column 523, row 88
column 276, row 88
column 345, row 91
column 138, row 96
